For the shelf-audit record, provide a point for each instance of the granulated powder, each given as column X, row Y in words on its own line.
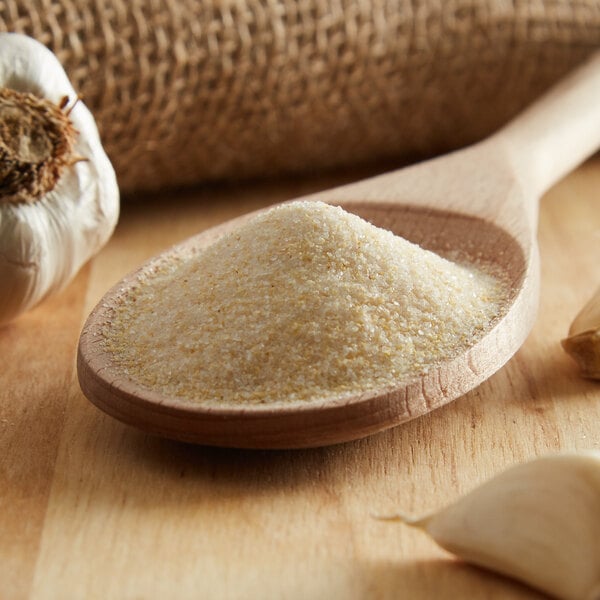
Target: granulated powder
column 304, row 302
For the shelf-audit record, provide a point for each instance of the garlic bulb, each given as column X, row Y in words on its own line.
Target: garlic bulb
column 59, row 200
column 538, row 522
column 583, row 343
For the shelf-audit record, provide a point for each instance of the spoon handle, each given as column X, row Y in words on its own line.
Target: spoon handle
column 557, row 132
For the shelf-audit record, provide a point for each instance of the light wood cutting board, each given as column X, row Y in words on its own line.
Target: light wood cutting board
column 90, row 508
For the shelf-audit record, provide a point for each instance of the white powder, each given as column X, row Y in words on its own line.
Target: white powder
column 302, row 303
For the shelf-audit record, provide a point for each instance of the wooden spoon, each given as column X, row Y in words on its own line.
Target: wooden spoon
column 480, row 202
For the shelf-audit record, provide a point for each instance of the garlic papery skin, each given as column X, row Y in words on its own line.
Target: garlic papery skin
column 583, row 343
column 538, row 522
column 43, row 244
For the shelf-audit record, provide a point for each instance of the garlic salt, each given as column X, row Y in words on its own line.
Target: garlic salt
column 59, row 200
column 538, row 522
column 583, row 343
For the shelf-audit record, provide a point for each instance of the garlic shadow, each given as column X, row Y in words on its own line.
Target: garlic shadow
column 441, row 579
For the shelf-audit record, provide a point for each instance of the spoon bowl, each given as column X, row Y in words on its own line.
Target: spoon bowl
column 476, row 205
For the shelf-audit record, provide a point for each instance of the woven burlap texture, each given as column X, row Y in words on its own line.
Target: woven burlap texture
column 194, row 90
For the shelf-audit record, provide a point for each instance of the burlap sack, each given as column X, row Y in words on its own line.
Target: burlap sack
column 192, row 90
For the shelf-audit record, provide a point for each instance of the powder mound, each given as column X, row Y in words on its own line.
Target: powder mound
column 304, row 302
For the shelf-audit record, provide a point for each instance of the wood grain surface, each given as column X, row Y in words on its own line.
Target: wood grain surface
column 90, row 508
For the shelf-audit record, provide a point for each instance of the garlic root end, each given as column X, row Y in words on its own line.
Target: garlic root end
column 583, row 341
column 584, row 348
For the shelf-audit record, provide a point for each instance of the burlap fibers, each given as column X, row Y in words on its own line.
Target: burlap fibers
column 193, row 90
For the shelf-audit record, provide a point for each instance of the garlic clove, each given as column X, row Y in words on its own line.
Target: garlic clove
column 583, row 342
column 538, row 522
column 43, row 244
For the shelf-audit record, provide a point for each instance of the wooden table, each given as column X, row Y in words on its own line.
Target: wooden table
column 90, row 508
